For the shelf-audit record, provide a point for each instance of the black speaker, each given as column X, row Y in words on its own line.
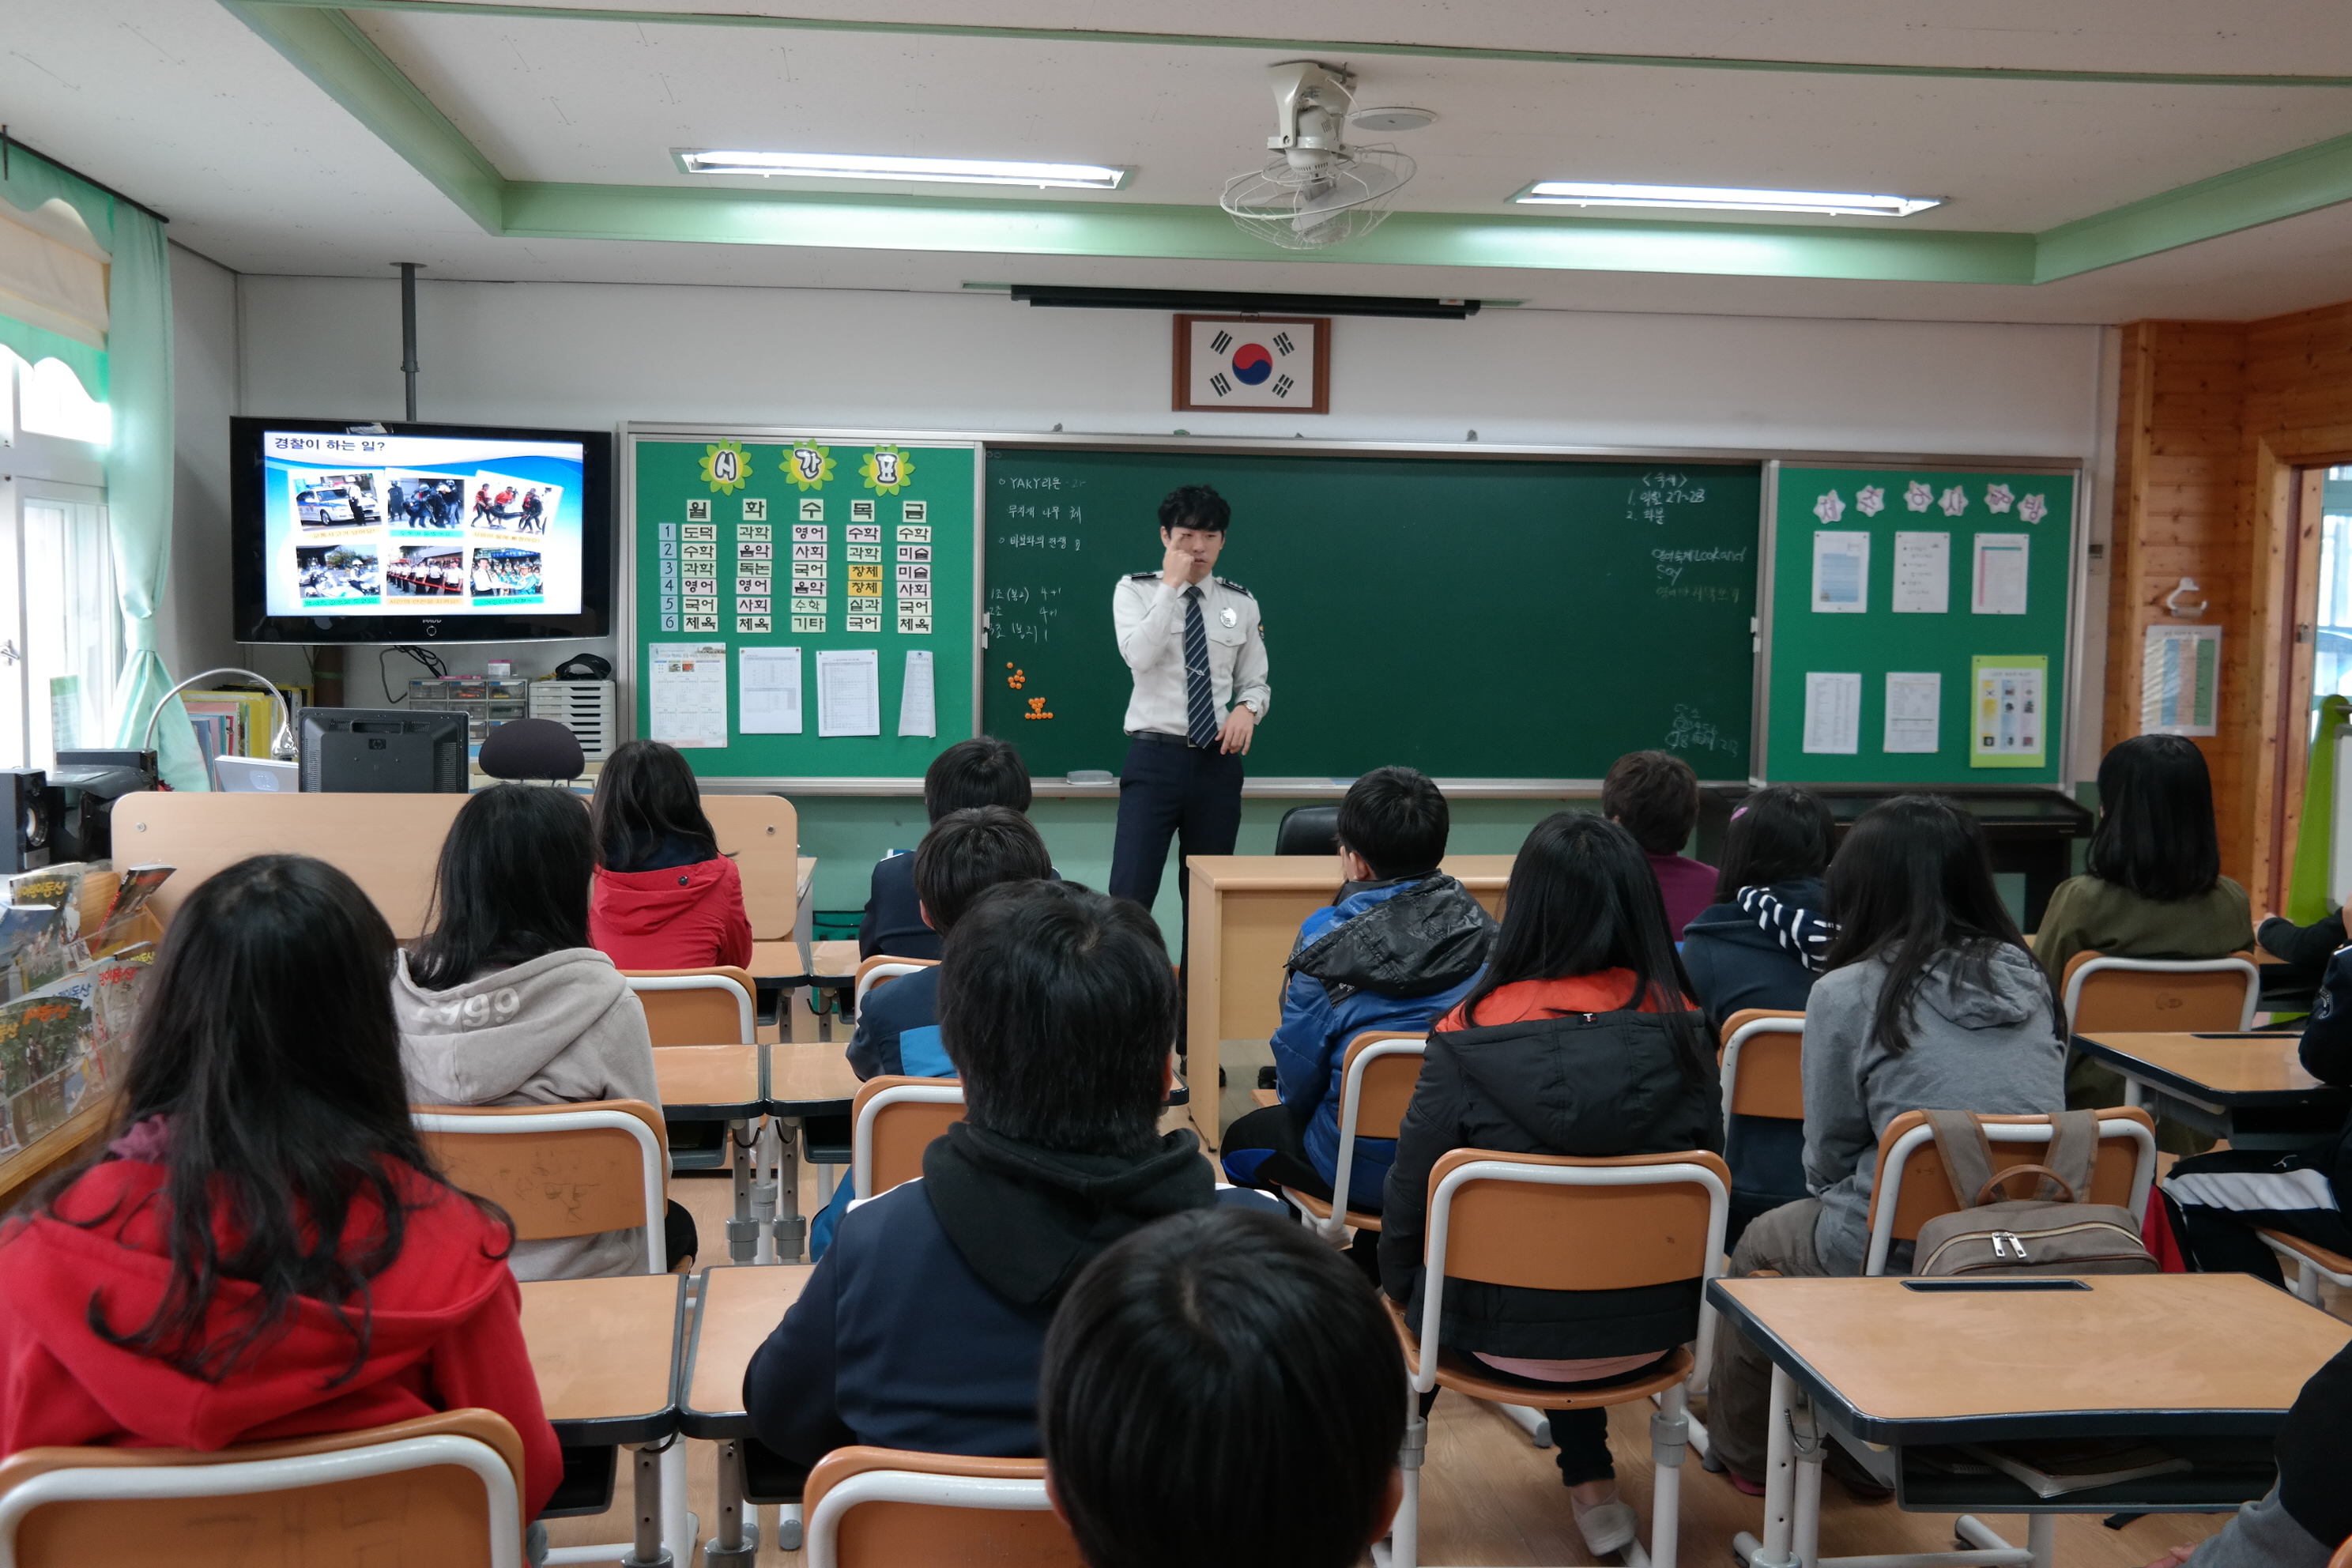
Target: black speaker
column 79, row 801
column 24, row 847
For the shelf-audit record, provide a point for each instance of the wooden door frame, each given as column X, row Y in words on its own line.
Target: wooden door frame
column 2287, row 575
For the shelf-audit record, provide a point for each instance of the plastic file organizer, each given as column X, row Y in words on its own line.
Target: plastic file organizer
column 484, row 702
column 587, row 707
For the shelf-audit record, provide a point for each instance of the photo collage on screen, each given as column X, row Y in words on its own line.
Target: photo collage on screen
column 438, row 541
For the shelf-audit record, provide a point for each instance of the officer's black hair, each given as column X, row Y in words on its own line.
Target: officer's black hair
column 969, row 851
column 983, row 770
column 1397, row 820
column 1195, row 507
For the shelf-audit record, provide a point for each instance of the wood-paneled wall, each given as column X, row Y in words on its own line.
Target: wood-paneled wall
column 2213, row 420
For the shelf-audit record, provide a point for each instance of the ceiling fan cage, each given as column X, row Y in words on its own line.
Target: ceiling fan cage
column 1323, row 204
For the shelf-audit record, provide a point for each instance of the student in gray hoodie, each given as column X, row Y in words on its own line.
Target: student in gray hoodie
column 505, row 1003
column 1932, row 1001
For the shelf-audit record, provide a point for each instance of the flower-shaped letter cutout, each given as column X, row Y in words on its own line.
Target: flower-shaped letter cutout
column 1919, row 497
column 1830, row 508
column 2033, row 509
column 1997, row 498
column 809, row 466
column 1870, row 501
column 725, row 467
column 887, row 470
column 1954, row 501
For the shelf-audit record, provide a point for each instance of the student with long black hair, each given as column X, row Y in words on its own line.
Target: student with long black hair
column 503, row 1002
column 1580, row 1039
column 2155, row 890
column 1931, row 1001
column 1759, row 944
column 263, row 1248
column 666, row 897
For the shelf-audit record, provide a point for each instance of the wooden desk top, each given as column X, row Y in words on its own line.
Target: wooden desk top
column 606, row 1353
column 2221, row 1068
column 810, row 1078
column 709, row 1083
column 741, row 1305
column 2134, row 1354
column 1293, row 873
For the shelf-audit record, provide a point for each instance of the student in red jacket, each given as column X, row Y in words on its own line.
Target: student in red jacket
column 264, row 1250
column 666, row 897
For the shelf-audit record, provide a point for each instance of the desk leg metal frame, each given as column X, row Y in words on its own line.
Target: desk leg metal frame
column 742, row 1231
column 788, row 1226
column 648, row 1551
column 736, row 1543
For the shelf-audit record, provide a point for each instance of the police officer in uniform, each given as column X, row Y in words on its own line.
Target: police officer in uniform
column 1198, row 655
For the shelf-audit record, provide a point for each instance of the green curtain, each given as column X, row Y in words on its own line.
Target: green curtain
column 2307, row 887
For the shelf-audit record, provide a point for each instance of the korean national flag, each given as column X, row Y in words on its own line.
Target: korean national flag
column 1245, row 364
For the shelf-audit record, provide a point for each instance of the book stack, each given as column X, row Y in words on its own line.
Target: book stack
column 238, row 723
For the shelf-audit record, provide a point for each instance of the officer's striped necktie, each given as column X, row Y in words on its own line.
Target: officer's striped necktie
column 1200, row 706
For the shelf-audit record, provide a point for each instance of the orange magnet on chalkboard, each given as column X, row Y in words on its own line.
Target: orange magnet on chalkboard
column 1017, row 680
column 1037, row 708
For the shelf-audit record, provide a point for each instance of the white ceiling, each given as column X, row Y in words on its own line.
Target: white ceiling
column 178, row 104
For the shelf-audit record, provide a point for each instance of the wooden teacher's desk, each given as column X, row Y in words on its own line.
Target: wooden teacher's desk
column 1897, row 1367
column 1244, row 916
column 2248, row 1087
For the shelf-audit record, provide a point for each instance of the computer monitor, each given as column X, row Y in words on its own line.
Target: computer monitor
column 383, row 751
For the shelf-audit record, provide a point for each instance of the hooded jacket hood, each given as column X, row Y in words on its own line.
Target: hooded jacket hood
column 1999, row 990
column 1730, row 924
column 1411, row 940
column 478, row 1043
column 450, row 1264
column 1602, row 1084
column 644, row 903
column 1028, row 1219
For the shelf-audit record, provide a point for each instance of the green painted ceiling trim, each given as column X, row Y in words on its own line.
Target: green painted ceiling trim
column 1291, row 45
column 2285, row 187
column 328, row 48
column 859, row 222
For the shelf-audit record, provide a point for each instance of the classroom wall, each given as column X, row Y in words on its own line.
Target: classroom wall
column 192, row 624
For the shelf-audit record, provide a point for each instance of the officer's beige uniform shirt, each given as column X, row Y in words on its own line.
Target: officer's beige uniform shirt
column 1150, row 618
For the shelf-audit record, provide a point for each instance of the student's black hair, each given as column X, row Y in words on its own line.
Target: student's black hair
column 512, row 885
column 1058, row 1007
column 983, row 770
column 1583, row 897
column 2156, row 833
column 969, row 851
column 1397, row 820
column 644, row 795
column 1195, row 507
column 1218, row 1387
column 266, row 1042
column 1654, row 796
column 1781, row 832
column 1910, row 884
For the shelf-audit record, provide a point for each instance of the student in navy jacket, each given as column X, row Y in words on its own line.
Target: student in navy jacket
column 980, row 771
column 1400, row 946
column 1759, row 944
column 924, row 1326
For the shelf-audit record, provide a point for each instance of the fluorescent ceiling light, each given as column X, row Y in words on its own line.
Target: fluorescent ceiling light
column 943, row 171
column 1720, row 198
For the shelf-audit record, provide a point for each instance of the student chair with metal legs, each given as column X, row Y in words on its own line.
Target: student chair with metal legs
column 880, row 1508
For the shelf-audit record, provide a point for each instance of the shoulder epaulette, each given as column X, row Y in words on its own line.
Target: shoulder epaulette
column 1236, row 587
column 1140, row 577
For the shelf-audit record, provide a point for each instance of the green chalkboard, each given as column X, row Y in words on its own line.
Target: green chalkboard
column 1474, row 618
column 1883, row 578
column 787, row 536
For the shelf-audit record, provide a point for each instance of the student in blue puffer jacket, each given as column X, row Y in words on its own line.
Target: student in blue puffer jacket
column 1395, row 950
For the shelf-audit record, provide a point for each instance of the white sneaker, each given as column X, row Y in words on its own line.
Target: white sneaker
column 1606, row 1526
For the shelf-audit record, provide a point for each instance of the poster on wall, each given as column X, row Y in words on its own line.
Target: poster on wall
column 2180, row 680
column 2010, row 708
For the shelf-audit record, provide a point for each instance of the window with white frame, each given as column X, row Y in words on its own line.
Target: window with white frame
column 60, row 625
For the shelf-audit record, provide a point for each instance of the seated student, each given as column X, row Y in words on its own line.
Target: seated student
column 1580, row 1040
column 984, row 771
column 922, row 1327
column 1285, row 1458
column 666, row 897
column 1654, row 795
column 1397, row 948
column 263, row 1248
column 1931, row 1001
column 2307, row 1515
column 2155, row 890
column 1759, row 944
column 504, row 1003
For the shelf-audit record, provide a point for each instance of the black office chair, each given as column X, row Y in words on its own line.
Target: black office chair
column 1309, row 830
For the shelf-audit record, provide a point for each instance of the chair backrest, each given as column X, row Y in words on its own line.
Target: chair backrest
column 763, row 833
column 880, row 1508
column 1543, row 1222
column 891, row 1123
column 1910, row 1187
column 558, row 1169
column 1764, row 1065
column 697, row 1006
column 2146, row 995
column 880, row 970
column 443, row 1489
column 1376, row 1082
column 1309, row 830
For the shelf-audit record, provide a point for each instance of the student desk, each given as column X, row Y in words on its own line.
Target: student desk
column 2250, row 1088
column 805, row 1078
column 719, row 1083
column 605, row 1352
column 2132, row 1356
column 1244, row 916
column 739, row 1308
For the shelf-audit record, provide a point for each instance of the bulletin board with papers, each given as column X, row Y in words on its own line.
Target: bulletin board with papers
column 1917, row 624
column 800, row 606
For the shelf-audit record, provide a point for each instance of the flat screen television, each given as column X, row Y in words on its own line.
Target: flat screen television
column 344, row 532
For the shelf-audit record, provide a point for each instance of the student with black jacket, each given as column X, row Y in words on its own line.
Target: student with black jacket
column 980, row 771
column 923, row 1326
column 1580, row 1040
column 1743, row 951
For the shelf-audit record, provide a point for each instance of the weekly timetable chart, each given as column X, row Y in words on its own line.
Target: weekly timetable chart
column 802, row 605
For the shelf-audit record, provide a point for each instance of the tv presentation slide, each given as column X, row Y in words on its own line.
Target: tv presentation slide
column 403, row 525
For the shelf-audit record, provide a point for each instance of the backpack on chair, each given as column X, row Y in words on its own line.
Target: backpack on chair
column 2039, row 1234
